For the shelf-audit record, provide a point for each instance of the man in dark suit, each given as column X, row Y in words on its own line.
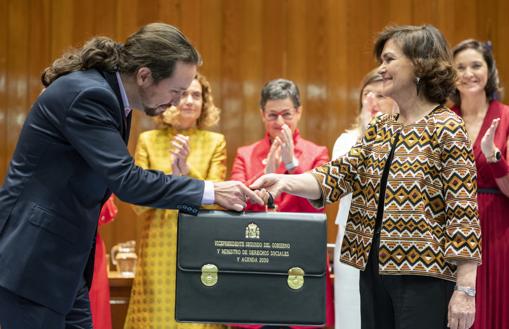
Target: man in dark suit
column 72, row 154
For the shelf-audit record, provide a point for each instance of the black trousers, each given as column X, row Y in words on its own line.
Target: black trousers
column 402, row 301
column 17, row 312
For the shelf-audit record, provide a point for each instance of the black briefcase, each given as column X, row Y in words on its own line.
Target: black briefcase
column 251, row 268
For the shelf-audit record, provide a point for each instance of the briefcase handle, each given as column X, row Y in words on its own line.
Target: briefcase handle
column 271, row 206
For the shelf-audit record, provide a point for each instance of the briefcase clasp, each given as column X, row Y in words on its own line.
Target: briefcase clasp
column 295, row 278
column 209, row 275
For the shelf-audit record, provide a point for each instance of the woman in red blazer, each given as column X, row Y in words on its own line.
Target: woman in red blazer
column 281, row 151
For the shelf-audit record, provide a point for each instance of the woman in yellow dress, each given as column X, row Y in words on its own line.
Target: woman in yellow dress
column 180, row 147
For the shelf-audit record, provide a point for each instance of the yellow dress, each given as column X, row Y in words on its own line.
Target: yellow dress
column 152, row 303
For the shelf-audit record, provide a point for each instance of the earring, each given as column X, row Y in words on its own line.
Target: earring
column 417, row 79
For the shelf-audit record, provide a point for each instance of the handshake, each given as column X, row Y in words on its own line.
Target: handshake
column 234, row 195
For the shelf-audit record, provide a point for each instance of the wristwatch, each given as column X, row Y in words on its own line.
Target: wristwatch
column 469, row 291
column 292, row 164
column 495, row 157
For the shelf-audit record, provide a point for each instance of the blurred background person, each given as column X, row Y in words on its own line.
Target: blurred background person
column 180, row 147
column 487, row 123
column 283, row 151
column 99, row 293
column 413, row 226
column 372, row 102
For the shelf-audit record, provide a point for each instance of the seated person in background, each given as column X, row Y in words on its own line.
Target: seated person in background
column 180, row 147
column 346, row 278
column 281, row 151
column 99, row 293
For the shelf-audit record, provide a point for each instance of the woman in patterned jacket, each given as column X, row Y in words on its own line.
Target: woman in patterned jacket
column 413, row 226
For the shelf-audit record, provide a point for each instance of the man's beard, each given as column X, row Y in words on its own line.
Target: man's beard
column 153, row 111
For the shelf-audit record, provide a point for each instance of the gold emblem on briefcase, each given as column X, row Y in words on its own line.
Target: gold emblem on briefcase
column 252, row 231
column 295, row 278
column 209, row 275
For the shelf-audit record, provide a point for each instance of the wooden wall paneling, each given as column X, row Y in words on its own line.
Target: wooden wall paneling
column 172, row 12
column 256, row 52
column 338, row 111
column 424, row 12
column 378, row 15
column 17, row 70
column 149, row 11
column 62, row 28
column 211, row 31
column 274, row 33
column 296, row 49
column 315, row 89
column 400, row 12
column 466, row 21
column 501, row 45
column 86, row 23
column 446, row 18
column 189, row 21
column 486, row 23
column 493, row 26
column 231, row 90
column 127, row 18
column 38, row 46
column 4, row 49
column 105, row 17
column 210, row 48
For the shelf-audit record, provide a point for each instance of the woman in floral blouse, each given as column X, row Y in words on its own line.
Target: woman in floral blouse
column 413, row 227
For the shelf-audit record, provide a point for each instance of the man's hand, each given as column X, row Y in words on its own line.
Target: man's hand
column 234, row 195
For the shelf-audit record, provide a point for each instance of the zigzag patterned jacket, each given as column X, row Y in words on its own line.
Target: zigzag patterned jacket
column 430, row 219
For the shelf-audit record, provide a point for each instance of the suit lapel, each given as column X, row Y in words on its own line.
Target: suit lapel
column 125, row 126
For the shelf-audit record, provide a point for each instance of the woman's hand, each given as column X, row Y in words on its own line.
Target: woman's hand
column 488, row 146
column 287, row 147
column 270, row 183
column 274, row 156
column 303, row 185
column 461, row 313
column 180, row 152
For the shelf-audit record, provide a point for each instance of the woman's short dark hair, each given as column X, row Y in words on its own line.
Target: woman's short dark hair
column 157, row 46
column 427, row 48
column 493, row 89
column 280, row 89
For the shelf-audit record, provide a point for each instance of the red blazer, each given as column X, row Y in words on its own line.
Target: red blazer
column 249, row 165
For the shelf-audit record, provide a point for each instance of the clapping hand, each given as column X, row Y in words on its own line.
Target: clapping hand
column 287, row 147
column 274, row 156
column 488, row 146
column 180, row 151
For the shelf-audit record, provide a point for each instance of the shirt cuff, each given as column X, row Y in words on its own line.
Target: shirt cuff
column 208, row 193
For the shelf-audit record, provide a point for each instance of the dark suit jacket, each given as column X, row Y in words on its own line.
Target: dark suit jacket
column 71, row 154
